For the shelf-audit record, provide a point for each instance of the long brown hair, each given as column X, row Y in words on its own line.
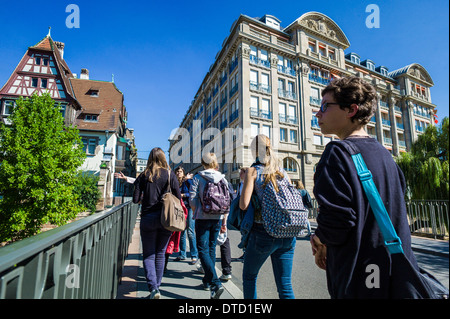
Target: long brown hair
column 262, row 150
column 156, row 160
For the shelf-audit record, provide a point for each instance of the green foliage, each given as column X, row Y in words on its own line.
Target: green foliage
column 87, row 190
column 39, row 157
column 426, row 167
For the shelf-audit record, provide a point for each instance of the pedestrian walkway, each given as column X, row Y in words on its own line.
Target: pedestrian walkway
column 181, row 281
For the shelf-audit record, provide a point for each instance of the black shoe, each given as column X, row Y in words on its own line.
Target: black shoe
column 216, row 291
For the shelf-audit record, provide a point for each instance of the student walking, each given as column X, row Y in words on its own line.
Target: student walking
column 185, row 185
column 347, row 239
column 208, row 225
column 150, row 186
column 260, row 244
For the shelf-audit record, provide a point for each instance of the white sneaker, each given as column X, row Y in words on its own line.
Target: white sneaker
column 225, row 277
column 200, row 268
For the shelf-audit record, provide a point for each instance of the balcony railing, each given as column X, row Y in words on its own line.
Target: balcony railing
column 283, row 118
column 260, row 87
column 319, row 79
column 286, row 70
column 263, row 114
column 255, row 60
column 387, row 140
column 287, row 94
column 315, row 123
column 80, row 260
column 315, row 101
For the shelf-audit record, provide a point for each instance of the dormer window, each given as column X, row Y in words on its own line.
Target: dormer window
column 93, row 91
column 91, row 118
column 355, row 59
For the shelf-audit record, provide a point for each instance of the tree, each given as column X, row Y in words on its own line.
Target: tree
column 39, row 157
column 426, row 167
column 87, row 190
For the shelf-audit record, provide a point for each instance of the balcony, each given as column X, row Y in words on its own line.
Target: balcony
column 223, row 101
column 283, row 118
column 233, row 90
column 223, row 80
column 384, row 105
column 234, row 115
column 318, row 79
column 286, row 70
column 287, row 94
column 387, row 140
column 262, row 114
column 315, row 123
column 315, row 101
column 223, row 124
column 264, row 88
column 402, row 143
column 257, row 61
column 233, row 65
column 386, row 122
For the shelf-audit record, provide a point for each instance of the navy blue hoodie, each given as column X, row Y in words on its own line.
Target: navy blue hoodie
column 346, row 223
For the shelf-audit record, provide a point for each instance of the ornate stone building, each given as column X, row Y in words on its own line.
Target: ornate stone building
column 268, row 79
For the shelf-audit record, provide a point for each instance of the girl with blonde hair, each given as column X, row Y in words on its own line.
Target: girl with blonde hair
column 260, row 244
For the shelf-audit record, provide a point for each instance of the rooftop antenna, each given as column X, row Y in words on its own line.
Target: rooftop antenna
column 49, row 30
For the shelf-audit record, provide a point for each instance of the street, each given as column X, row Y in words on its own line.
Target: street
column 308, row 280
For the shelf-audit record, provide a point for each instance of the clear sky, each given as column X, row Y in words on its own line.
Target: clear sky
column 160, row 51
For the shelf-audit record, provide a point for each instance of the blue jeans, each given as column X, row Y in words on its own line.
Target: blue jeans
column 206, row 231
column 154, row 239
column 281, row 251
column 190, row 232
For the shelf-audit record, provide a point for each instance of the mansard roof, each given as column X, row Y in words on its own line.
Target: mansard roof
column 322, row 26
column 415, row 70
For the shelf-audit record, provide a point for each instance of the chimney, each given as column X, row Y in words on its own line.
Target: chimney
column 60, row 47
column 84, row 74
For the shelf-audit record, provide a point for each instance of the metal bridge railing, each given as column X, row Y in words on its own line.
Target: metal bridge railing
column 425, row 217
column 83, row 259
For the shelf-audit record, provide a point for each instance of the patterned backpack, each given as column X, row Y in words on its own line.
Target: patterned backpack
column 283, row 213
column 216, row 198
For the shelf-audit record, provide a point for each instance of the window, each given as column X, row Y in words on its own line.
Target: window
column 332, row 54
column 264, row 55
column 312, row 45
column 254, row 129
column 253, row 76
column 322, row 49
column 9, row 106
column 38, row 60
column 45, row 60
column 44, row 83
column 283, row 135
column 253, row 50
column 254, row 103
column 317, row 140
column 293, row 136
column 265, row 80
column 291, row 87
column 89, row 145
column 119, row 153
column 265, row 106
column 326, row 140
column 90, row 118
column 266, row 130
column 289, row 165
column 34, row 82
column 292, row 112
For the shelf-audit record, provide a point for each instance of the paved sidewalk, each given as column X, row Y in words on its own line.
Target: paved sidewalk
column 181, row 281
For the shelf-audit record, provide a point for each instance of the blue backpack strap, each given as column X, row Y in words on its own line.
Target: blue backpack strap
column 391, row 239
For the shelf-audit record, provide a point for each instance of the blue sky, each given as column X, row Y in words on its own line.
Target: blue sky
column 160, row 51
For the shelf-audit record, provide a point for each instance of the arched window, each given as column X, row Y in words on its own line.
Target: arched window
column 289, row 165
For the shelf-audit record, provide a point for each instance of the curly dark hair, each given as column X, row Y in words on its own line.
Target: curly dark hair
column 354, row 90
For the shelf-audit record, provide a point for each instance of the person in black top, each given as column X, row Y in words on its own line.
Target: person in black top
column 150, row 185
column 347, row 242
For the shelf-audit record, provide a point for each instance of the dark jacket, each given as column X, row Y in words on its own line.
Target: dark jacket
column 151, row 193
column 184, row 189
column 347, row 225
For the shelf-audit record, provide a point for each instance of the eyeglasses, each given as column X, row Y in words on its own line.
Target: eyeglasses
column 324, row 106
